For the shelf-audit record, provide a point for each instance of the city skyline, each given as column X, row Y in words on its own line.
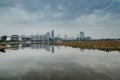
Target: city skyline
column 98, row 19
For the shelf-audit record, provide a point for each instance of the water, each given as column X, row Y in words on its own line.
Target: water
column 48, row 62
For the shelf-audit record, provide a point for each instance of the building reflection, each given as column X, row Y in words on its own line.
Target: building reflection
column 14, row 46
column 53, row 49
column 82, row 49
column 47, row 47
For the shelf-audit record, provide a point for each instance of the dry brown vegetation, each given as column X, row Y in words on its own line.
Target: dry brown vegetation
column 105, row 46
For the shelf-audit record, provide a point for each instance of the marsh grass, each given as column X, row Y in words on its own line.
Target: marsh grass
column 105, row 46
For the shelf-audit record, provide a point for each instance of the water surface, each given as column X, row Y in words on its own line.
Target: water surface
column 48, row 62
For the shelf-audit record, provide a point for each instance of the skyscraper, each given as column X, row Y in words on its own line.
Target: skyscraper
column 52, row 33
column 47, row 36
column 82, row 35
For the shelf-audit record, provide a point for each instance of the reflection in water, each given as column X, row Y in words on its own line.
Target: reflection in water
column 2, row 50
column 53, row 51
column 46, row 47
column 14, row 46
column 81, row 50
column 31, row 62
column 64, row 71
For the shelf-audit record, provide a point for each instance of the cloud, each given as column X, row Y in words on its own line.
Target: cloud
column 65, row 10
column 107, row 25
column 96, row 18
column 8, row 3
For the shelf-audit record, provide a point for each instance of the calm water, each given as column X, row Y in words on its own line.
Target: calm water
column 44, row 62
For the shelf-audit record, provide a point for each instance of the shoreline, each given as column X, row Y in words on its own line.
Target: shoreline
column 35, row 42
column 104, row 46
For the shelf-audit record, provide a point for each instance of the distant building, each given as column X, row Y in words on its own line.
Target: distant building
column 5, row 38
column 15, row 38
column 38, row 37
column 52, row 34
column 41, row 37
column 33, row 37
column 8, row 38
column 82, row 35
column 25, row 38
column 65, row 37
column 87, row 38
column 47, row 36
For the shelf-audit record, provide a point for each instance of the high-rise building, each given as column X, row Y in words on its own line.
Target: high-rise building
column 15, row 38
column 47, row 36
column 65, row 36
column 52, row 33
column 82, row 35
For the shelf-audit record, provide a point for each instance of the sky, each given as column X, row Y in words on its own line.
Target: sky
column 97, row 18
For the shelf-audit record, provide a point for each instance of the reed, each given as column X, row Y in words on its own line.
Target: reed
column 4, row 47
column 105, row 46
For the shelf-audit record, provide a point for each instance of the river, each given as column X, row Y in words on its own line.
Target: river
column 49, row 62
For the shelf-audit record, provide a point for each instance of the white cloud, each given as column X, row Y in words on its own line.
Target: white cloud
column 64, row 18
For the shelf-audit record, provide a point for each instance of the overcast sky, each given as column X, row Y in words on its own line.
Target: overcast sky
column 97, row 18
